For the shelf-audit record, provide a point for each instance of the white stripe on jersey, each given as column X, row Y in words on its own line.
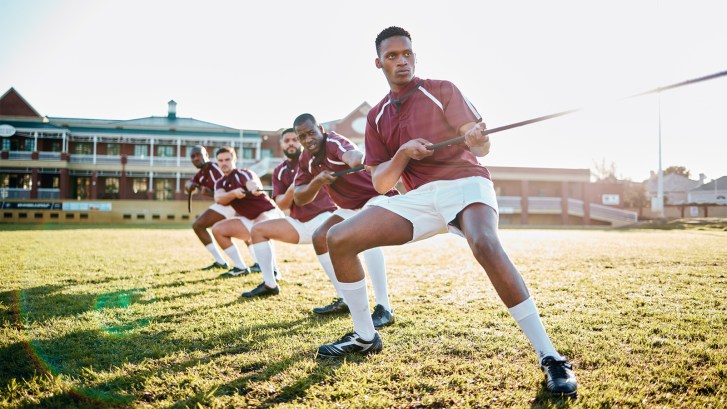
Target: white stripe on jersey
column 336, row 162
column 381, row 112
column 436, row 101
column 474, row 111
column 310, row 166
column 340, row 146
column 214, row 165
column 280, row 174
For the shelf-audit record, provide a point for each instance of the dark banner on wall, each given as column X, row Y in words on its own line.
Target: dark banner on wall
column 32, row 206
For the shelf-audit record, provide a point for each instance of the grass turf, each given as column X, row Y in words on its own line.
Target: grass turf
column 123, row 317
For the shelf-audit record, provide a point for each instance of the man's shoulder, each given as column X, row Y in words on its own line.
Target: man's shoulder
column 378, row 107
column 336, row 141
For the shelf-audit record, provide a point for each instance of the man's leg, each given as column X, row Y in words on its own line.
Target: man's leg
column 200, row 226
column 224, row 232
column 478, row 222
column 321, row 248
column 376, row 267
column 262, row 233
column 372, row 227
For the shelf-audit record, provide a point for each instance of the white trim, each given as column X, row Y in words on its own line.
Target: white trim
column 336, row 162
column 436, row 101
column 381, row 112
column 472, row 108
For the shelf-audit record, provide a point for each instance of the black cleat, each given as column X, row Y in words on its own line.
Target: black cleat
column 337, row 306
column 381, row 317
column 255, row 268
column 215, row 265
column 262, row 290
column 559, row 376
column 236, row 271
column 350, row 344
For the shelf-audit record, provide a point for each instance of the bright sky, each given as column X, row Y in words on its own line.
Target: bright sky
column 257, row 65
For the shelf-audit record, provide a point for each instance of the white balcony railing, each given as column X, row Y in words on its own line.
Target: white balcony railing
column 49, row 155
column 48, row 193
column 14, row 193
column 20, row 155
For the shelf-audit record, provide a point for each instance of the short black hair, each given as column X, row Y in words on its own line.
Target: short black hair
column 304, row 117
column 227, row 149
column 289, row 130
column 392, row 31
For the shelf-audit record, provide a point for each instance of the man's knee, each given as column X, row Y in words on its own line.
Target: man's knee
column 339, row 237
column 485, row 245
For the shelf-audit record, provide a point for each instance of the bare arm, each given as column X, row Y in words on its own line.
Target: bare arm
column 285, row 201
column 305, row 194
column 225, row 198
column 386, row 174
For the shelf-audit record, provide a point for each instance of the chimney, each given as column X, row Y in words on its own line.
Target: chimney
column 172, row 110
column 702, row 178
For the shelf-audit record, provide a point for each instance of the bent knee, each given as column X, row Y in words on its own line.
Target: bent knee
column 486, row 245
column 340, row 237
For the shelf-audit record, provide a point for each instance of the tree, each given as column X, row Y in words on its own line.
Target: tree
column 603, row 172
column 677, row 170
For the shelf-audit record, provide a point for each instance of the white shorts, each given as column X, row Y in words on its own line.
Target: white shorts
column 431, row 207
column 268, row 215
column 305, row 229
column 349, row 213
column 226, row 211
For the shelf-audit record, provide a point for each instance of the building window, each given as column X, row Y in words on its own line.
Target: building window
column 55, row 146
column 266, row 153
column 83, row 148
column 4, row 180
column 164, row 189
column 6, row 144
column 165, row 151
column 111, row 185
column 29, row 145
column 81, row 187
column 140, row 185
column 248, row 153
column 141, row 150
column 113, row 149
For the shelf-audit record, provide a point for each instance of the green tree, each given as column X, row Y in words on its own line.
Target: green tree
column 677, row 170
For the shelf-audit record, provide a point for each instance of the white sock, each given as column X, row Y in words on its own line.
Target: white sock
column 215, row 253
column 252, row 254
column 376, row 266
column 357, row 299
column 325, row 260
column 234, row 255
column 527, row 318
column 265, row 259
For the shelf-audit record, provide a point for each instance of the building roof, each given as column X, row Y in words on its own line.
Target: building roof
column 719, row 185
column 672, row 183
column 13, row 104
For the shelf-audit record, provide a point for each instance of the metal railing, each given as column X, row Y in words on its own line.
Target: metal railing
column 611, row 214
column 20, row 155
column 49, row 155
column 48, row 193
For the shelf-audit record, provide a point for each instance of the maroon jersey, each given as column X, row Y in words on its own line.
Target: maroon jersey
column 283, row 177
column 435, row 112
column 249, row 206
column 208, row 175
column 350, row 191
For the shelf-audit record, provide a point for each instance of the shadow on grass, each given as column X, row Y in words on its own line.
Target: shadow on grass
column 545, row 399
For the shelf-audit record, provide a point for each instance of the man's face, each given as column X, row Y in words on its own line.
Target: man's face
column 397, row 60
column 198, row 158
column 225, row 162
column 291, row 145
column 310, row 136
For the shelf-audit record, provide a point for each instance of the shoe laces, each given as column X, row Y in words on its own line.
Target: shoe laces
column 556, row 367
column 345, row 338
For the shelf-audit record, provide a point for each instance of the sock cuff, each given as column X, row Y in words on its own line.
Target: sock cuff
column 261, row 245
column 524, row 309
column 352, row 286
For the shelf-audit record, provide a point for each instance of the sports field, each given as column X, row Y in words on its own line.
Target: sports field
column 123, row 317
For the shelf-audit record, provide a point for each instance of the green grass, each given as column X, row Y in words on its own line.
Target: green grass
column 122, row 317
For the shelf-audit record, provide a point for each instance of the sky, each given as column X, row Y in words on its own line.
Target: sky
column 257, row 65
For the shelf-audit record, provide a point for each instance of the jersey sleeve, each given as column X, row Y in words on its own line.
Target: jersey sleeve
column 279, row 185
column 457, row 108
column 303, row 177
column 376, row 152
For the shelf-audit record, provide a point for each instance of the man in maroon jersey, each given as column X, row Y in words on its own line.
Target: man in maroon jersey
column 298, row 228
column 241, row 189
column 204, row 183
column 447, row 189
column 325, row 154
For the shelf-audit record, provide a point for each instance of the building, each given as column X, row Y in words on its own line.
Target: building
column 101, row 170
column 714, row 192
column 676, row 187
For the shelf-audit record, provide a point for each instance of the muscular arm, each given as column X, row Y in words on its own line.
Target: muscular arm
column 305, row 194
column 285, row 201
column 386, row 174
column 224, row 198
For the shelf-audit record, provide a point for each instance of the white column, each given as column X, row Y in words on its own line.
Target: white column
column 151, row 182
column 151, row 152
column 64, row 148
column 258, row 146
column 95, row 145
column 179, row 157
column 35, row 141
column 178, row 176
